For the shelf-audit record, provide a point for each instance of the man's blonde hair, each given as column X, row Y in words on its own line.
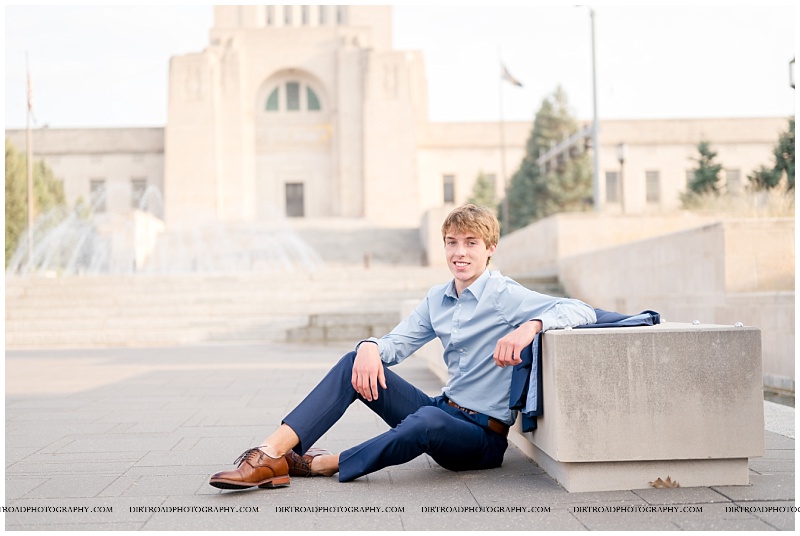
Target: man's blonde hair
column 473, row 219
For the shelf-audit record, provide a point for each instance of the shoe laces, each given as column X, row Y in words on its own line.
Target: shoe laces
column 300, row 463
column 247, row 455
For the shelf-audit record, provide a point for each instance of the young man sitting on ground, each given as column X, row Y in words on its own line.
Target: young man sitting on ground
column 484, row 321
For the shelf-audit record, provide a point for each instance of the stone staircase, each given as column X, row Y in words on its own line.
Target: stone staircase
column 351, row 245
column 546, row 284
column 302, row 244
column 330, row 304
column 165, row 310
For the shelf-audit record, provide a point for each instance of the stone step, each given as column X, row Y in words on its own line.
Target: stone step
column 380, row 246
column 307, row 301
column 106, row 286
column 157, row 333
column 144, row 322
column 543, row 283
column 132, row 338
column 355, row 318
column 346, row 325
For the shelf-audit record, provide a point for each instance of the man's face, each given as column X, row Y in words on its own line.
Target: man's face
column 467, row 256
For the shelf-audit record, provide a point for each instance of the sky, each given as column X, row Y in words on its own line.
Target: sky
column 107, row 66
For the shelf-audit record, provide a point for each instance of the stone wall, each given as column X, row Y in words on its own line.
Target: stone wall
column 727, row 272
column 537, row 248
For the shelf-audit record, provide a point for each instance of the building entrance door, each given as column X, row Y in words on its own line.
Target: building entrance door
column 294, row 200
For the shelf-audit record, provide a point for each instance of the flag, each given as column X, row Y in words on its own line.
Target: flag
column 30, row 85
column 505, row 75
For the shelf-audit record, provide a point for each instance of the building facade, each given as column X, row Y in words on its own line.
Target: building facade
column 308, row 112
column 299, row 111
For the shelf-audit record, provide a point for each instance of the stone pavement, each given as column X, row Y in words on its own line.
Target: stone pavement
column 119, row 432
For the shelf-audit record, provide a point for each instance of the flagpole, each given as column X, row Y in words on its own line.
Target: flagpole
column 598, row 203
column 502, row 125
column 29, row 153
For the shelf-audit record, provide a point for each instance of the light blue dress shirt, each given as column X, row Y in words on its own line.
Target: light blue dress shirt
column 469, row 327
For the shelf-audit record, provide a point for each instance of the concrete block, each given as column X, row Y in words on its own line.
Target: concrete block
column 625, row 406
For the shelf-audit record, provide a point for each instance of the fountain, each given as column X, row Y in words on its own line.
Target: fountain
column 87, row 241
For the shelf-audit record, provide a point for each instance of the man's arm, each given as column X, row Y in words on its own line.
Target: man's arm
column 532, row 313
column 508, row 349
column 368, row 371
column 406, row 338
column 392, row 348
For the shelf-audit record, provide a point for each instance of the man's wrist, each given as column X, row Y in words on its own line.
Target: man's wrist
column 366, row 340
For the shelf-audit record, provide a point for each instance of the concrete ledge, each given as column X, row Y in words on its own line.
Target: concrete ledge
column 625, row 406
column 627, row 475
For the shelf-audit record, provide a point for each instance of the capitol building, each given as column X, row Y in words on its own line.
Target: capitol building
column 307, row 112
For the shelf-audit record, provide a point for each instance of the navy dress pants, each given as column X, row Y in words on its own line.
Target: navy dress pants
column 419, row 424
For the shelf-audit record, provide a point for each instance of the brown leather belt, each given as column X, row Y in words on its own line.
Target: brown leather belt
column 494, row 425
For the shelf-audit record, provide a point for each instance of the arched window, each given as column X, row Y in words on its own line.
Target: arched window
column 292, row 96
column 272, row 101
column 313, row 101
column 299, row 96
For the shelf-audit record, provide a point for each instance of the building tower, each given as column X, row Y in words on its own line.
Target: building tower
column 297, row 111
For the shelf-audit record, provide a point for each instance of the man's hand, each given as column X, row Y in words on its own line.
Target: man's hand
column 509, row 348
column 368, row 371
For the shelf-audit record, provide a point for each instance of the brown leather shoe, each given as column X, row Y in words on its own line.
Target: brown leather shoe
column 255, row 469
column 301, row 465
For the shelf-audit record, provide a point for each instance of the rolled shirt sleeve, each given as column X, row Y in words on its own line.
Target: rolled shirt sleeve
column 516, row 305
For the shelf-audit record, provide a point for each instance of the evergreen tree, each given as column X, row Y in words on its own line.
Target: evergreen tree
column 765, row 178
column 784, row 154
column 533, row 194
column 16, row 202
column 570, row 190
column 47, row 193
column 706, row 174
column 483, row 192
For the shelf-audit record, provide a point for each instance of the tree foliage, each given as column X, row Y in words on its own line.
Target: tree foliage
column 765, row 178
column 533, row 193
column 47, row 193
column 705, row 182
column 483, row 192
column 706, row 174
column 784, row 154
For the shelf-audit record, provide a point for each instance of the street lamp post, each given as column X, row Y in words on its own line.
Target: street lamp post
column 622, row 150
column 598, row 203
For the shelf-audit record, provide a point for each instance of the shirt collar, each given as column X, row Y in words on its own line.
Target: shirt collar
column 476, row 288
